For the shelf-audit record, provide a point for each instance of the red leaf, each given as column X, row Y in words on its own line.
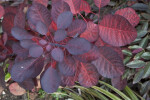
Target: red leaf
column 130, row 15
column 68, row 66
column 74, row 5
column 58, row 8
column 60, row 35
column 88, row 75
column 15, row 89
column 1, row 11
column 101, row 3
column 64, row 20
column 91, row 55
column 91, row 32
column 43, row 2
column 50, row 80
column 116, row 30
column 36, row 51
column 78, row 46
column 38, row 12
column 109, row 64
column 77, row 27
column 57, row 54
column 25, row 69
column 8, row 23
column 118, row 83
column 20, row 33
column 84, row 6
column 19, row 20
column 41, row 28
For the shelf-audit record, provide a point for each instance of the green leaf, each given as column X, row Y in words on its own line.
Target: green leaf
column 134, row 47
column 143, row 31
column 146, row 55
column 145, row 87
column 7, row 77
column 136, row 64
column 116, row 90
column 147, row 70
column 144, row 42
column 138, row 76
column 126, row 60
column 127, row 52
column 138, row 55
column 109, row 94
column 148, row 48
column 146, row 16
column 130, row 93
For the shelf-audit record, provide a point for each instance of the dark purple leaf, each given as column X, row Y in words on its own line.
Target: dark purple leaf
column 57, row 54
column 27, row 84
column 41, row 28
column 119, row 83
column 109, row 64
column 67, row 67
column 116, row 30
column 43, row 2
column 78, row 46
column 21, row 52
column 64, row 20
column 78, row 26
column 38, row 12
column 91, row 32
column 28, row 68
column 36, row 51
column 50, row 80
column 20, row 33
column 60, row 35
column 58, row 8
column 5, row 38
column 91, row 55
column 27, row 43
column 19, row 20
column 8, row 23
column 88, row 75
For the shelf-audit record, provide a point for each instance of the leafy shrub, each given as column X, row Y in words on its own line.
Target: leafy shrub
column 66, row 47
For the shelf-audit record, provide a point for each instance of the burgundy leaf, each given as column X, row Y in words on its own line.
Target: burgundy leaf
column 15, row 89
column 118, row 83
column 19, row 20
column 21, row 52
column 41, row 28
column 27, row 43
column 74, row 5
column 116, row 30
column 100, row 42
column 57, row 54
column 130, row 15
column 67, row 67
column 27, row 84
column 58, row 8
column 60, row 35
column 8, row 23
column 78, row 46
column 70, row 80
column 28, row 68
column 64, row 20
column 20, row 33
column 35, row 51
column 109, row 64
column 91, row 55
column 1, row 11
column 2, row 78
column 43, row 42
column 101, row 3
column 84, row 6
column 43, row 2
column 38, row 12
column 50, row 80
column 91, row 32
column 5, row 38
column 10, row 9
column 78, row 26
column 88, row 75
